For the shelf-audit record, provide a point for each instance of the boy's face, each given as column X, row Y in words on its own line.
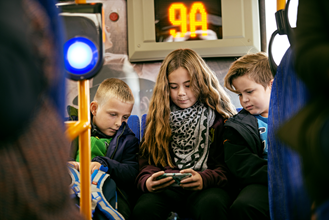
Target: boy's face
column 180, row 91
column 109, row 116
column 253, row 97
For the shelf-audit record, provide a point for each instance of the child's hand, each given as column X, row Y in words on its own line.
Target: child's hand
column 194, row 182
column 153, row 185
column 75, row 164
column 94, row 166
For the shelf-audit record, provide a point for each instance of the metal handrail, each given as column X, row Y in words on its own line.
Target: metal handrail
column 82, row 128
column 283, row 27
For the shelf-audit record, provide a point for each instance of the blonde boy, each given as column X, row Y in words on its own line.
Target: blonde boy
column 112, row 142
column 245, row 135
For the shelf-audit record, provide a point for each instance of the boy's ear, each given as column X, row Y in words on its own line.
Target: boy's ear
column 93, row 107
column 271, row 83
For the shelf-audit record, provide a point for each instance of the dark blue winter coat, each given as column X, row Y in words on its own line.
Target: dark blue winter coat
column 121, row 156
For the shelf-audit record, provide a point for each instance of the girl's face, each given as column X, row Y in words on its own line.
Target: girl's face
column 180, row 91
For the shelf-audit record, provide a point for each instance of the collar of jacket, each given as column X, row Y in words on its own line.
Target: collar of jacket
column 96, row 132
column 247, row 126
column 246, row 119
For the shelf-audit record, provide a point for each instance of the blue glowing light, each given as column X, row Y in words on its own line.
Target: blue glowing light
column 81, row 55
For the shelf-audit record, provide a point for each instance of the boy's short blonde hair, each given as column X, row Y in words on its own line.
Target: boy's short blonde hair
column 114, row 88
column 255, row 65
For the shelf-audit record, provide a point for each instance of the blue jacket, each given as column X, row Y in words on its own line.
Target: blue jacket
column 121, row 155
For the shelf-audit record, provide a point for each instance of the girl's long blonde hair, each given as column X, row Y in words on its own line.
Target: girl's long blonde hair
column 156, row 142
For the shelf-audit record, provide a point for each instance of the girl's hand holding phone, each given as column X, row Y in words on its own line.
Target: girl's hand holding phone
column 194, row 182
column 155, row 185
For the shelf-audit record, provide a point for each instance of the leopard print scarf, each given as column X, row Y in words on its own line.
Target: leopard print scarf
column 190, row 135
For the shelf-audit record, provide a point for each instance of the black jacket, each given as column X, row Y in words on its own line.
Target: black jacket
column 243, row 150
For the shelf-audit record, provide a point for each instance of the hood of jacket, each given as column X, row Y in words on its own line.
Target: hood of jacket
column 247, row 125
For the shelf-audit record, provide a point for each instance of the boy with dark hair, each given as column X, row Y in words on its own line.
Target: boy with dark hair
column 113, row 144
column 245, row 135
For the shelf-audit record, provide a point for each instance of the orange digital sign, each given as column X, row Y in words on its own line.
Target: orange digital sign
column 188, row 22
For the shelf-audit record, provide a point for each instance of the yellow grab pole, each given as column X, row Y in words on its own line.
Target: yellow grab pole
column 74, row 128
column 84, row 149
column 280, row 4
column 80, row 1
column 82, row 128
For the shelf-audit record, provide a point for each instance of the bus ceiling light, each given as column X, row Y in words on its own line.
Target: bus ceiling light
column 81, row 55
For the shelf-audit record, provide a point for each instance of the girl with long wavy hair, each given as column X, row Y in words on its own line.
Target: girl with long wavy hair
column 184, row 135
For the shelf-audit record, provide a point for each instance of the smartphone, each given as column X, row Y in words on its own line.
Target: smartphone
column 176, row 176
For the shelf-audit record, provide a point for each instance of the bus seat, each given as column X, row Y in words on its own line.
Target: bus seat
column 288, row 198
column 134, row 124
column 143, row 124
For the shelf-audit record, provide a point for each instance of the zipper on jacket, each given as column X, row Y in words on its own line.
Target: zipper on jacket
column 116, row 146
column 124, row 197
